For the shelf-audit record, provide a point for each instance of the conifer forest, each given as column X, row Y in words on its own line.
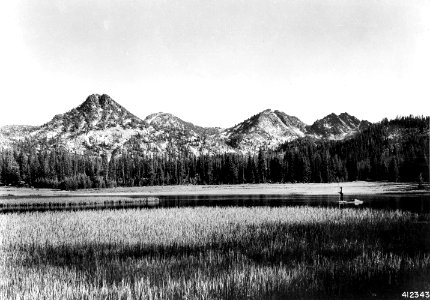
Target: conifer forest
column 395, row 150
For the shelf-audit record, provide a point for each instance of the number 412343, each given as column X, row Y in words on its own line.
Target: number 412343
column 415, row 295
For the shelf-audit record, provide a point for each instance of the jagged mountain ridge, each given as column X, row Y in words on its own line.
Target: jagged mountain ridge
column 266, row 129
column 101, row 125
column 168, row 121
column 168, row 133
column 95, row 113
column 98, row 125
column 336, row 127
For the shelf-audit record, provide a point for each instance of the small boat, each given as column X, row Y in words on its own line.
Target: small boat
column 355, row 202
column 341, row 201
column 358, row 202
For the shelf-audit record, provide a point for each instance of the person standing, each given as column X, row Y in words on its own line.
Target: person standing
column 341, row 194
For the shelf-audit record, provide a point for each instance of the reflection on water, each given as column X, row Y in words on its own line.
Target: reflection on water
column 411, row 202
column 418, row 203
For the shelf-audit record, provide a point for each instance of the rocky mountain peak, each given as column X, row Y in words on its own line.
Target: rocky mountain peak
column 335, row 126
column 167, row 121
column 101, row 125
column 266, row 111
column 97, row 112
column 105, row 100
column 96, row 102
column 265, row 129
column 344, row 115
column 347, row 118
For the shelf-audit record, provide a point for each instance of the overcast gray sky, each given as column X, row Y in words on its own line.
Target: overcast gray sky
column 217, row 62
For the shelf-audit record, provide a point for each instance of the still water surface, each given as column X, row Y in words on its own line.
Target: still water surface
column 419, row 203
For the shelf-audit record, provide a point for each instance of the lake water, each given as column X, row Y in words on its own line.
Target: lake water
column 418, row 203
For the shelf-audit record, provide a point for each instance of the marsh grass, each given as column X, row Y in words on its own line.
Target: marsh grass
column 42, row 204
column 214, row 253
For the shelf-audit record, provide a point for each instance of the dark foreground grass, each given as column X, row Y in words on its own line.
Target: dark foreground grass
column 215, row 253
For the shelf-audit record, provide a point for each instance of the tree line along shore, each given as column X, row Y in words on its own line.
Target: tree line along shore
column 376, row 154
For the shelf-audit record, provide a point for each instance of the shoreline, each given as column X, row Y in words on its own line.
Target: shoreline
column 355, row 187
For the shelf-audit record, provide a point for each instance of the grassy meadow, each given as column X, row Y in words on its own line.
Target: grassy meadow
column 214, row 253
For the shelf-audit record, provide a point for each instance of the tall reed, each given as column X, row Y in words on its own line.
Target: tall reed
column 213, row 253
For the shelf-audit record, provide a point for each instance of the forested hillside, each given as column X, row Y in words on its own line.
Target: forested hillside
column 396, row 150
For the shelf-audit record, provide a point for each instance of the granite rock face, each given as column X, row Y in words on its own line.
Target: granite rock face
column 102, row 126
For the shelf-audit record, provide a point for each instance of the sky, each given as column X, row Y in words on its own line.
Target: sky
column 216, row 62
